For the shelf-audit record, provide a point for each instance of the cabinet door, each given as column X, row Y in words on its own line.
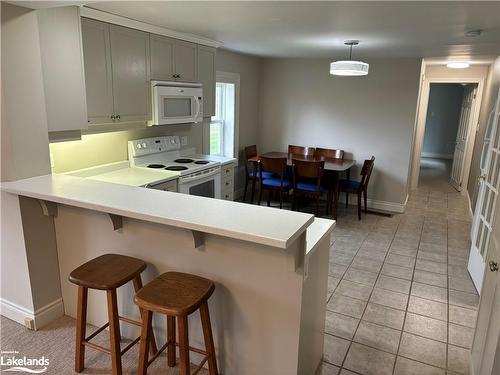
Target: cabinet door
column 206, row 75
column 162, row 58
column 185, row 61
column 97, row 66
column 130, row 67
column 62, row 64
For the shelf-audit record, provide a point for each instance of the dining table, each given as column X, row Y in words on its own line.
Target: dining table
column 332, row 170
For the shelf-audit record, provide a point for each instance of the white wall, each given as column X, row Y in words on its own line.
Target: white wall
column 248, row 67
column 25, row 153
column 301, row 103
column 443, row 116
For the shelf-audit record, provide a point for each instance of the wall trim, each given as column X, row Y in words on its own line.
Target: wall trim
column 436, row 155
column 41, row 317
column 386, row 206
column 99, row 15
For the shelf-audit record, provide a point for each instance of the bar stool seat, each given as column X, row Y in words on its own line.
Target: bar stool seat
column 109, row 271
column 176, row 295
column 106, row 272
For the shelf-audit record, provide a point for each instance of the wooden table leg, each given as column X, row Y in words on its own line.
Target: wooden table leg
column 114, row 332
column 336, row 184
column 138, row 286
column 81, row 325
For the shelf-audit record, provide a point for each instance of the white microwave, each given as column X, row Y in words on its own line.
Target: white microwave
column 176, row 102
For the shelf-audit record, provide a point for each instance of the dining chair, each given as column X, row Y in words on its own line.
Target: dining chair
column 358, row 187
column 307, row 176
column 277, row 182
column 251, row 172
column 329, row 153
column 301, row 150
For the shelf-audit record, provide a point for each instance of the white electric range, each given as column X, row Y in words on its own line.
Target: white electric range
column 197, row 174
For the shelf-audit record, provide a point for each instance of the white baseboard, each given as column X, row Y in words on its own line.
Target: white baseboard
column 385, row 206
column 471, row 213
column 436, row 155
column 49, row 313
column 40, row 317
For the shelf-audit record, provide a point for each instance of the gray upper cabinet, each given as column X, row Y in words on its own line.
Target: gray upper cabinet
column 185, row 60
column 162, row 58
column 62, row 64
column 97, row 63
column 206, row 75
column 173, row 59
column 130, row 68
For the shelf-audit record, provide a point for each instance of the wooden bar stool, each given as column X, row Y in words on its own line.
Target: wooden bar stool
column 176, row 295
column 107, row 272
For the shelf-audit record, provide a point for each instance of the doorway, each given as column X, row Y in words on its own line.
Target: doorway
column 448, row 118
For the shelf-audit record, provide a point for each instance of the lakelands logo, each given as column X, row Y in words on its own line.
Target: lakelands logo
column 14, row 363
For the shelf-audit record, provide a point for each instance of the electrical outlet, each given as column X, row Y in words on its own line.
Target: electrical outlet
column 184, row 140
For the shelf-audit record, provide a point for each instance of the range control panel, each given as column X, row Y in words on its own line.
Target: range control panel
column 148, row 146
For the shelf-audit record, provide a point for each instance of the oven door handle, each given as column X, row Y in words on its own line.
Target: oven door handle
column 200, row 176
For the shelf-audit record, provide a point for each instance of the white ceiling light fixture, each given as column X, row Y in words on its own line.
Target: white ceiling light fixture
column 458, row 64
column 349, row 67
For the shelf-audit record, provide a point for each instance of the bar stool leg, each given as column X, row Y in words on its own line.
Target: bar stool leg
column 171, row 339
column 114, row 332
column 184, row 364
column 137, row 286
column 81, row 324
column 146, row 335
column 209, row 340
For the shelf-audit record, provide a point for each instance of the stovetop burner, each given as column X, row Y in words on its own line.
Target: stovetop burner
column 157, row 166
column 183, row 160
column 176, row 168
column 202, row 162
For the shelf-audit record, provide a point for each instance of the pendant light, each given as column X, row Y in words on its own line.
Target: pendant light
column 349, row 67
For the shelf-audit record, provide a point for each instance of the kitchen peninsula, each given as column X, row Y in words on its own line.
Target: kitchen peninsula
column 270, row 266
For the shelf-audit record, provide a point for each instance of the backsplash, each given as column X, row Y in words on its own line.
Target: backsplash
column 103, row 148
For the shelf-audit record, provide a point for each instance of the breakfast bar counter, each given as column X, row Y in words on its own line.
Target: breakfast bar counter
column 270, row 266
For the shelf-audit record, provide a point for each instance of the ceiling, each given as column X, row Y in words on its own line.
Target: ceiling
column 318, row 29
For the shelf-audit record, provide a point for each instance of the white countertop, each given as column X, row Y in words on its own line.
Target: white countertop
column 136, row 176
column 317, row 231
column 262, row 225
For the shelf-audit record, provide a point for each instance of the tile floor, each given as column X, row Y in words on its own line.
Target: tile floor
column 400, row 300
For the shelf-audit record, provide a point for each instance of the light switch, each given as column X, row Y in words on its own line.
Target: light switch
column 184, row 140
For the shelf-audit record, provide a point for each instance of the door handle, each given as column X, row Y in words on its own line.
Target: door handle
column 493, row 266
column 482, row 177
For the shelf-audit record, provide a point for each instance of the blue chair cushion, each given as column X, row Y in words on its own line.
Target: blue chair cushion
column 264, row 174
column 349, row 184
column 310, row 186
column 276, row 182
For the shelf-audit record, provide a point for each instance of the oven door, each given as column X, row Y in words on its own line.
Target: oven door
column 205, row 185
column 177, row 105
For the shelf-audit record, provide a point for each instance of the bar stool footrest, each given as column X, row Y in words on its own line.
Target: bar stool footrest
column 196, row 350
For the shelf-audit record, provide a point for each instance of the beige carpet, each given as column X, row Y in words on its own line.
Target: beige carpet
column 56, row 342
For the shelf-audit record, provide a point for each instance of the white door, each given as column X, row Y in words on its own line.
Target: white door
column 462, row 136
column 487, row 198
column 486, row 345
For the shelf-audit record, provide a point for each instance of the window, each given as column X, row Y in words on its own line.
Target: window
column 224, row 124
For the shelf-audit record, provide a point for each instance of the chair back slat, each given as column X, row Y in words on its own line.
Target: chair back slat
column 273, row 165
column 301, row 150
column 366, row 172
column 307, row 170
column 329, row 153
column 250, row 152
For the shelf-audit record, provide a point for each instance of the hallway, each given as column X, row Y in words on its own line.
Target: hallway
column 435, row 174
column 400, row 297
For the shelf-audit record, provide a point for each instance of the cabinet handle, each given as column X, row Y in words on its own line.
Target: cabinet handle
column 113, row 117
column 117, row 117
column 493, row 266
